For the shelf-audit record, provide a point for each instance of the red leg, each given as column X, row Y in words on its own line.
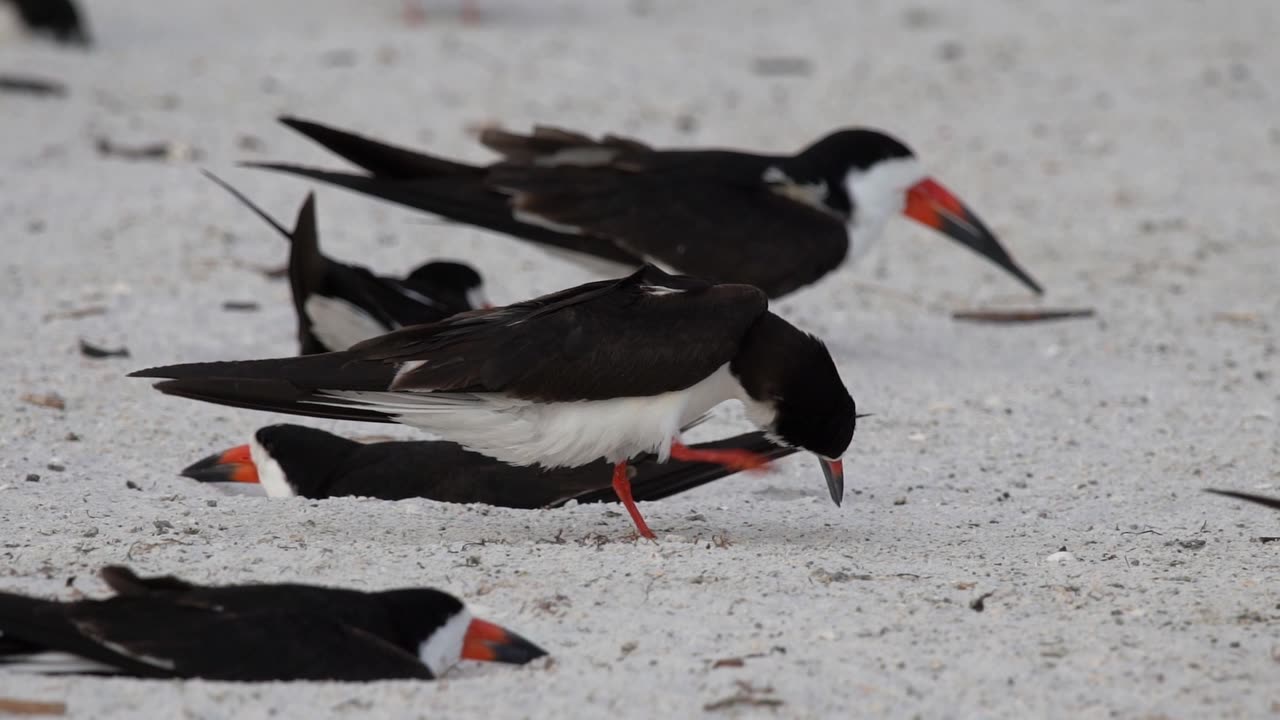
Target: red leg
column 732, row 459
column 622, row 486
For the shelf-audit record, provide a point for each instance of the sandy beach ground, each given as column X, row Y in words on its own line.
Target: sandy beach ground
column 1126, row 152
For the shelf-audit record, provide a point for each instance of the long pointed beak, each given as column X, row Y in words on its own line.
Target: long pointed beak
column 931, row 204
column 494, row 643
column 834, row 472
column 234, row 465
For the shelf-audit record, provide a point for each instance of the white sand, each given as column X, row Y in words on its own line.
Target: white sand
column 1125, row 151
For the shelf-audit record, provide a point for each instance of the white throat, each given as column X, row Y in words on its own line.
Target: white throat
column 270, row 475
column 443, row 648
column 879, row 194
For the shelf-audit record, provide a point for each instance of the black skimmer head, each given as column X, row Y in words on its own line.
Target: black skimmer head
column 455, row 285
column 286, row 460
column 794, row 392
column 167, row 627
column 440, row 630
column 867, row 177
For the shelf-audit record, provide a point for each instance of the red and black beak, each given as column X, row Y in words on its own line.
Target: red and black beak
column 834, row 472
column 493, row 643
column 234, row 465
column 931, row 204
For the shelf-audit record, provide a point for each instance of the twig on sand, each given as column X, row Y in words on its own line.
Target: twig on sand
column 28, row 85
column 14, row 706
column 747, row 694
column 1012, row 317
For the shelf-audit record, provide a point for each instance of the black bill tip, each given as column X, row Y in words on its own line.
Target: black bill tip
column 834, row 472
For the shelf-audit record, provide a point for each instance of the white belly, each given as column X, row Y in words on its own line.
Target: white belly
column 557, row 434
column 339, row 324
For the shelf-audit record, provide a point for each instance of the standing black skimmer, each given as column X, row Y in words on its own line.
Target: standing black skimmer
column 293, row 460
column 163, row 627
column 778, row 222
column 59, row 19
column 1273, row 503
column 607, row 370
column 339, row 305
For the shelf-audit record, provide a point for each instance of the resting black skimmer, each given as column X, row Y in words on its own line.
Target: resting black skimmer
column 606, row 370
column 339, row 305
column 59, row 19
column 779, row 222
column 163, row 627
column 1263, row 500
column 293, row 460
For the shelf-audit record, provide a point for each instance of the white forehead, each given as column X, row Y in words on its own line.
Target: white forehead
column 443, row 649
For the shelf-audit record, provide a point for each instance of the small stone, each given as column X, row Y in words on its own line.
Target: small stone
column 56, row 466
column 211, row 503
column 1060, row 557
column 900, row 501
column 91, row 532
column 72, row 437
column 32, row 477
column 132, row 485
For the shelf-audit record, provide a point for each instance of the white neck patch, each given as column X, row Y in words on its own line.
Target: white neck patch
column 443, row 649
column 814, row 195
column 477, row 298
column 879, row 193
column 270, row 475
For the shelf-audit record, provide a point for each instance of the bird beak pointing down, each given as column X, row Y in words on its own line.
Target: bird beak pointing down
column 494, row 643
column 234, row 465
column 834, row 472
column 931, row 204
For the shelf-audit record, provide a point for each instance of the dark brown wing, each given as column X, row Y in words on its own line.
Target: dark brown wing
column 256, row 645
column 548, row 146
column 726, row 226
column 647, row 334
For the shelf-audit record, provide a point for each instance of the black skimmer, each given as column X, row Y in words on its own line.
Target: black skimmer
column 1273, row 503
column 59, row 19
column 606, row 370
column 293, row 460
column 164, row 627
column 339, row 305
column 779, row 222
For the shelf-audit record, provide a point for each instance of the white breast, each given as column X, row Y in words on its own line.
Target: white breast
column 556, row 434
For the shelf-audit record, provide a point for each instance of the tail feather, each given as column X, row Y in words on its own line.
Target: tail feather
column 463, row 200
column 41, row 636
column 1263, row 500
column 388, row 161
column 330, row 371
column 259, row 384
column 269, row 395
